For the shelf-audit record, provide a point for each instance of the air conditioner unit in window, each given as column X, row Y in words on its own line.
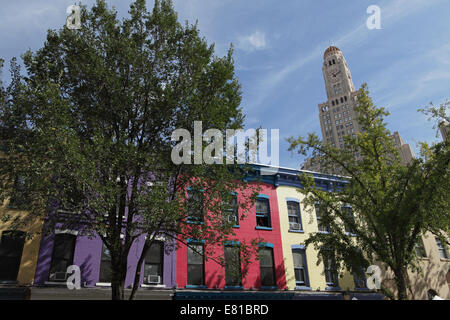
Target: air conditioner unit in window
column 231, row 218
column 60, row 276
column 153, row 279
column 294, row 226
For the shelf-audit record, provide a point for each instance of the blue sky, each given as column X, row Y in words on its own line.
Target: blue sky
column 279, row 49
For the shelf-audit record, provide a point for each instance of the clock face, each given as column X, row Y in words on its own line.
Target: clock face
column 333, row 75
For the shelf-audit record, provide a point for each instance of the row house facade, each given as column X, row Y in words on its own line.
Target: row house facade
column 278, row 218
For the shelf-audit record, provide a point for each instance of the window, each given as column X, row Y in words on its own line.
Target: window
column 349, row 212
column 262, row 212
column 300, row 268
column 337, row 88
column 441, row 248
column 231, row 210
column 233, row 277
column 153, row 267
column 19, row 198
column 195, row 265
column 11, row 247
column 331, row 276
column 295, row 222
column 267, row 267
column 62, row 257
column 105, row 265
column 420, row 249
column 319, row 215
column 194, row 204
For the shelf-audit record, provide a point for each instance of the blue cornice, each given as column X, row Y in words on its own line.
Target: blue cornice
column 289, row 177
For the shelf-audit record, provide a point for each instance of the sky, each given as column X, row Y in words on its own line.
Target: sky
column 279, row 48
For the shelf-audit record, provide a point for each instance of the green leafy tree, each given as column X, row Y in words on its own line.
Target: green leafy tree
column 89, row 129
column 392, row 204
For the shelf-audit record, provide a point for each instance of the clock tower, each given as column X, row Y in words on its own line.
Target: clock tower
column 337, row 117
column 336, row 73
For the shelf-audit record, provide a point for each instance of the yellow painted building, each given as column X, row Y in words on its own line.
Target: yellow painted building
column 293, row 235
column 435, row 273
column 19, row 253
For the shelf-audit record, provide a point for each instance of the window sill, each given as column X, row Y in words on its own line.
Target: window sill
column 296, row 231
column 333, row 288
column 237, row 226
column 269, row 288
column 324, row 232
column 234, row 288
column 303, row 288
column 9, row 282
column 362, row 289
column 263, row 228
column 194, row 222
column 190, row 286
column 56, row 283
column 349, row 234
column 103, row 284
column 445, row 259
column 152, row 285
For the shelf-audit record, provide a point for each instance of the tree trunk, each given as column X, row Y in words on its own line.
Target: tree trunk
column 400, row 281
column 119, row 273
column 118, row 290
column 137, row 274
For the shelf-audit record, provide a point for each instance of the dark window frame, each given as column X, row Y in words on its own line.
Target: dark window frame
column 190, row 250
column 296, row 215
column 233, row 278
column 270, row 269
column 105, row 259
column 159, row 264
column 55, row 259
column 261, row 216
column 319, row 217
column 304, row 268
column 232, row 210
column 443, row 253
column 11, row 256
column 330, row 269
column 197, row 217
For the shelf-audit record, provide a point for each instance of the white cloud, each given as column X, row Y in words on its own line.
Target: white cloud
column 255, row 41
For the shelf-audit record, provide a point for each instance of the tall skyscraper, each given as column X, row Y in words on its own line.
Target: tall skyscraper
column 337, row 116
column 444, row 127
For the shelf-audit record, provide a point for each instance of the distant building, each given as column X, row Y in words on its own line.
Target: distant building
column 444, row 127
column 337, row 115
column 406, row 153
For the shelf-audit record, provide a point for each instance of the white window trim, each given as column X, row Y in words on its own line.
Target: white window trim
column 153, row 285
column 103, row 284
column 66, row 231
column 158, row 238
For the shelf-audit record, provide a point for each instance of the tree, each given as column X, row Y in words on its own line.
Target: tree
column 392, row 205
column 90, row 126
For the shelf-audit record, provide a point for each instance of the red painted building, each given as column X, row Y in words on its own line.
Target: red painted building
column 261, row 222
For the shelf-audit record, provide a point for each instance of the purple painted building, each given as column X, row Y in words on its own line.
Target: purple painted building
column 67, row 247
